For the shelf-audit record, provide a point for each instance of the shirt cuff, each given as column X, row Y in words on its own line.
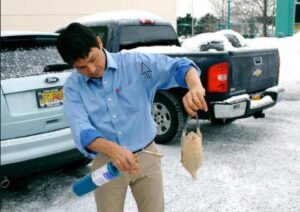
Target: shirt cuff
column 182, row 68
column 88, row 136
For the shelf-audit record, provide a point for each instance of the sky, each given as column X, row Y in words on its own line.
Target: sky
column 201, row 7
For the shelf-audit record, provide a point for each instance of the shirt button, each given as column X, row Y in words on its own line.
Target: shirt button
column 109, row 99
column 119, row 132
column 105, row 82
column 114, row 116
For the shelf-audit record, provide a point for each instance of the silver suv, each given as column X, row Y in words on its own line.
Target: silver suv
column 34, row 134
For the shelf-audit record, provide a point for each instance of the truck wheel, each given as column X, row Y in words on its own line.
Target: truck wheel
column 169, row 116
column 221, row 121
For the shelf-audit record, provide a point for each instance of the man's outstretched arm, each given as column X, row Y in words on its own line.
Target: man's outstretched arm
column 194, row 99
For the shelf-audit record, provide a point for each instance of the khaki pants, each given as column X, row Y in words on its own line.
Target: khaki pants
column 146, row 186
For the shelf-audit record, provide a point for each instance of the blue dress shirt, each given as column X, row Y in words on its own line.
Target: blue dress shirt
column 117, row 107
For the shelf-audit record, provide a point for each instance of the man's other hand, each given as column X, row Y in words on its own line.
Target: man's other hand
column 194, row 99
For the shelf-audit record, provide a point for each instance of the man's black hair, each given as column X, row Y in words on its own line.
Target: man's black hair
column 75, row 42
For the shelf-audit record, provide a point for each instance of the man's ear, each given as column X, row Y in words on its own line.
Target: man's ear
column 100, row 44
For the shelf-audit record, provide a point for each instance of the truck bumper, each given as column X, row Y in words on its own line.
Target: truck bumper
column 242, row 106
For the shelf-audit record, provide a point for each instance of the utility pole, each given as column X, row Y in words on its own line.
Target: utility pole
column 192, row 17
column 228, row 16
column 223, row 12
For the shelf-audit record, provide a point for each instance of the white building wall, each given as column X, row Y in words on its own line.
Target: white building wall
column 49, row 15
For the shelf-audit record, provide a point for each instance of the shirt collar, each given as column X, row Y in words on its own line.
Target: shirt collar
column 110, row 64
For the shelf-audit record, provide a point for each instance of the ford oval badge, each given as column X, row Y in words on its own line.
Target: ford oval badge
column 51, row 80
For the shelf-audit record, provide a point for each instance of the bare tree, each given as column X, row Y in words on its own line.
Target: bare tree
column 261, row 11
column 267, row 11
column 220, row 8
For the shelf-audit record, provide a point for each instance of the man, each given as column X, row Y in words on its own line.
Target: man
column 108, row 106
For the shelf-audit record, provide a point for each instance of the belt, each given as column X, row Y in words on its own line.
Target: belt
column 139, row 150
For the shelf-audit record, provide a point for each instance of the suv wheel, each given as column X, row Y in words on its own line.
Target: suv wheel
column 169, row 116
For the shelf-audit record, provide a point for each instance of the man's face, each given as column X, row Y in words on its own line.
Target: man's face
column 93, row 65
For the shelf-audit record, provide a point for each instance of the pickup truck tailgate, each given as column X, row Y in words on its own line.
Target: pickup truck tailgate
column 254, row 70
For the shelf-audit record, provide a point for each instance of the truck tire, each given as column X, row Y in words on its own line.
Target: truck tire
column 169, row 116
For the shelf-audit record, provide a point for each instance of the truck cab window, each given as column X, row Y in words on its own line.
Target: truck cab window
column 147, row 35
column 102, row 32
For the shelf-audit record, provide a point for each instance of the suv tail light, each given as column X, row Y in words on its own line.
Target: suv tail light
column 217, row 80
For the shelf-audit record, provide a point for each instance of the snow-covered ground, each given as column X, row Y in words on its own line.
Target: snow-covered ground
column 249, row 165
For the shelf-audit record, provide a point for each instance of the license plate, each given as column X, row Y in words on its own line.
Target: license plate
column 256, row 97
column 50, row 97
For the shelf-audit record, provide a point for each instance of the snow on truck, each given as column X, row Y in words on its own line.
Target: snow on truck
column 239, row 83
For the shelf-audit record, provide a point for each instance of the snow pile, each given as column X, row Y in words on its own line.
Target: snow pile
column 228, row 32
column 224, row 40
column 204, row 41
column 25, row 33
column 119, row 15
column 297, row 35
column 219, row 41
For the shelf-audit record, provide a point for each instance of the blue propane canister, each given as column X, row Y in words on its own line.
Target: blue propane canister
column 97, row 178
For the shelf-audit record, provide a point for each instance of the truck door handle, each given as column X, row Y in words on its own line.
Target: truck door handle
column 257, row 61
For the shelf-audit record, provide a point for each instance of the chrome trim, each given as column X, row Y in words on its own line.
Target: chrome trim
column 275, row 89
column 235, row 99
column 51, row 80
column 266, row 100
column 236, row 106
column 230, row 110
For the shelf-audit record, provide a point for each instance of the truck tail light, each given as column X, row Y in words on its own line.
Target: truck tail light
column 147, row 21
column 217, row 80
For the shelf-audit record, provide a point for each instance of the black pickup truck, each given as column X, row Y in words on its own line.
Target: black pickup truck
column 238, row 84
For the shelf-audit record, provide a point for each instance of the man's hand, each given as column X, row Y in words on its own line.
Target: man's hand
column 122, row 158
column 194, row 99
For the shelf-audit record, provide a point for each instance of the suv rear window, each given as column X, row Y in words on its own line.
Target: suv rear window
column 147, row 35
column 27, row 58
